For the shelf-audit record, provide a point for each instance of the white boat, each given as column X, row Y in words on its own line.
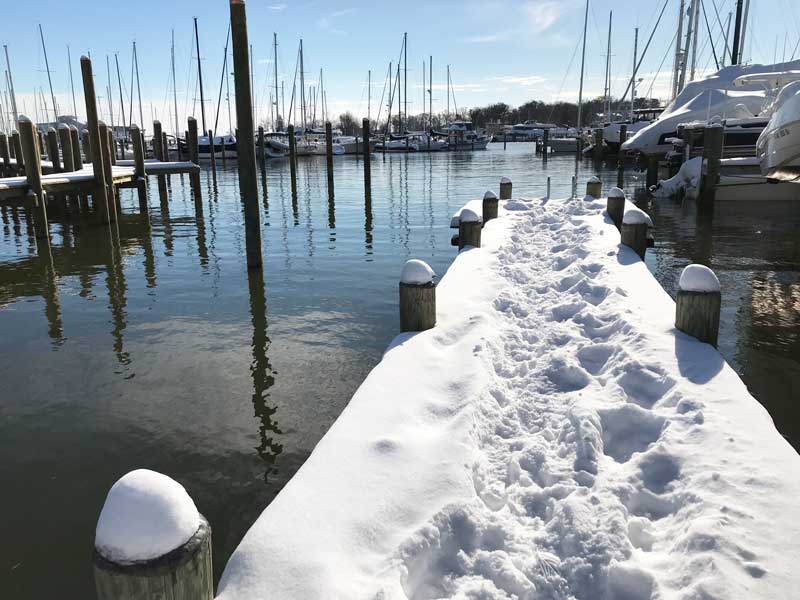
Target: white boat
column 704, row 99
column 423, row 142
column 563, row 144
column 461, row 135
column 642, row 118
column 204, row 147
column 778, row 147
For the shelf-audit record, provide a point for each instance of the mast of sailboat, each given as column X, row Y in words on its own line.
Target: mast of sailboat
column 49, row 79
column 11, row 86
column 369, row 93
column 405, row 80
column 121, row 101
column 302, row 88
column 635, row 66
column 222, row 79
column 283, row 104
column 583, row 63
column 322, row 95
column 447, row 85
column 696, row 17
column 200, row 78
column 737, row 34
column 744, row 31
column 71, row 84
column 607, row 83
column 678, row 39
column 275, row 66
column 689, row 35
column 174, row 89
column 430, row 94
column 138, row 85
column 389, row 99
column 108, row 94
column 400, row 103
column 725, row 54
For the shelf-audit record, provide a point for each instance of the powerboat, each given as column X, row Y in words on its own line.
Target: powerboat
column 220, row 141
column 461, row 135
column 778, row 147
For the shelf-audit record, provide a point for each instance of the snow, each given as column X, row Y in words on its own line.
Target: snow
column 687, row 179
column 593, row 179
column 698, row 278
column 469, row 216
column 616, row 192
column 504, row 180
column 474, row 205
column 62, row 126
column 145, row 516
column 490, row 195
column 636, row 216
column 416, row 272
column 554, row 436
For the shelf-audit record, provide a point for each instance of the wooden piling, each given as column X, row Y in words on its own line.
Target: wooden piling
column 634, row 230
column 112, row 147
column 139, row 170
column 623, row 137
column 490, row 204
column 16, row 145
column 213, row 149
column 329, row 155
column 101, row 196
column 105, row 150
column 262, row 155
column 66, row 147
column 417, row 297
column 713, row 143
column 505, row 188
column 194, row 155
column 545, row 143
column 652, row 171
column 52, row 150
column 248, row 184
column 158, row 152
column 599, row 149
column 292, row 158
column 77, row 159
column 86, row 146
column 469, row 229
column 594, row 187
column 33, row 172
column 615, row 206
column 697, row 307
column 365, row 142
column 164, row 146
column 5, row 154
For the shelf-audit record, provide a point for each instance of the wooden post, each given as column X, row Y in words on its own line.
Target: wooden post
column 623, row 136
column 213, row 149
column 598, row 150
column 248, row 184
column 112, row 147
column 292, row 158
column 86, row 144
column 490, row 203
column 101, row 196
column 545, row 143
column 261, row 154
column 158, row 152
column 505, row 188
column 469, row 229
column 224, row 159
column 365, row 142
column 106, row 150
column 594, row 187
column 66, row 147
column 77, row 159
column 615, row 206
column 634, row 230
column 652, row 171
column 33, row 172
column 16, row 145
column 52, row 150
column 138, row 160
column 698, row 304
column 713, row 143
column 182, row 573
column 4, row 151
column 194, row 155
column 164, row 146
column 329, row 155
column 417, row 297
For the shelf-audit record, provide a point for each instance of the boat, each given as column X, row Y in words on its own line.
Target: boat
column 563, row 144
column 461, row 135
column 204, row 147
column 778, row 147
column 425, row 142
column 641, row 119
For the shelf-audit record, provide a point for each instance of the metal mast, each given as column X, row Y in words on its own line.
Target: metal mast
column 49, row 79
column 138, row 85
column 696, row 18
column 302, row 88
column 200, row 78
column 633, row 78
column 108, row 91
column 11, row 86
column 275, row 65
column 685, row 55
column 677, row 66
column 369, row 93
column 430, row 93
column 174, row 89
column 71, row 84
column 583, row 63
column 607, row 103
column 121, row 102
column 405, row 80
column 744, row 30
column 737, row 33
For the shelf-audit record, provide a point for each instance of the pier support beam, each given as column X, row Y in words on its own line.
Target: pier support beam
column 244, row 122
column 101, row 198
column 33, row 172
column 713, row 143
column 697, row 306
column 490, row 204
column 469, row 229
column 138, row 161
column 105, row 149
column 505, row 188
column 417, row 297
column 52, row 150
column 292, row 159
column 16, row 145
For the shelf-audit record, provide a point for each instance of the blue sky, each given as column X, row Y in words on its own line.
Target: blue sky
column 499, row 50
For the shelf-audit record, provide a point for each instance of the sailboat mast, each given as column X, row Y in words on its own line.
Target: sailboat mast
column 448, row 93
column 49, row 79
column 71, row 84
column 108, row 93
column 369, row 93
column 405, row 79
column 583, row 63
column 174, row 89
column 200, row 77
column 302, row 89
column 275, row 66
column 677, row 66
column 389, row 99
column 696, row 36
column 685, row 56
column 744, row 30
column 633, row 78
column 737, row 33
column 607, row 103
column 11, row 86
column 121, row 101
column 430, row 94
column 222, row 78
column 138, row 85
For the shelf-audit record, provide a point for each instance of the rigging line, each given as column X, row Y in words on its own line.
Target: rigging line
column 663, row 60
column 564, row 80
column 716, row 10
column 710, row 36
column 644, row 52
column 294, row 86
column 380, row 104
column 222, row 78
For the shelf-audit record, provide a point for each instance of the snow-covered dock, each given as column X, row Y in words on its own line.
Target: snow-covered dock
column 553, row 436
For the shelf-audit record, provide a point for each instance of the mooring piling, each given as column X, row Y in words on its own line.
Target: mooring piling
column 469, row 229
column 158, row 152
column 52, row 150
column 697, row 307
column 101, row 197
column 652, row 171
column 262, row 156
column 594, row 187
column 292, row 159
column 623, row 137
column 329, row 155
column 33, row 172
column 106, row 150
column 139, row 172
column 545, row 143
column 248, row 183
column 5, row 154
column 86, row 146
column 615, row 206
column 67, row 153
column 490, row 204
column 77, row 158
column 417, row 297
column 164, row 145
column 178, row 565
column 599, row 150
column 16, row 145
column 713, row 144
column 365, row 142
column 505, row 188
column 634, row 230
column 213, row 150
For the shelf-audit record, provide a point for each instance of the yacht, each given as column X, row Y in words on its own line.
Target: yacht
column 641, row 119
column 204, row 147
column 778, row 146
column 461, row 135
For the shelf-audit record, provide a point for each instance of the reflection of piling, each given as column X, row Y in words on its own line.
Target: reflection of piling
column 329, row 155
column 213, row 149
column 292, row 159
column 245, row 143
column 100, row 197
column 713, row 143
column 262, row 155
column 367, row 169
column 33, row 172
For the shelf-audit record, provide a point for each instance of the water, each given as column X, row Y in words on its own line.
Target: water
column 156, row 349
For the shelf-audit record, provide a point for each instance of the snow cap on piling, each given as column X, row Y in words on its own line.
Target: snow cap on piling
column 505, row 180
column 469, row 216
column 63, row 126
column 616, row 192
column 698, row 278
column 489, row 195
column 23, row 119
column 417, row 272
column 636, row 216
column 145, row 516
column 593, row 179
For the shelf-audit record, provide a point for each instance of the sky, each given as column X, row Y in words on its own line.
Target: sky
column 498, row 50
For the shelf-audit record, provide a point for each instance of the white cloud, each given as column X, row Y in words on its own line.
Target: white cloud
column 486, row 39
column 523, row 80
column 278, row 7
column 542, row 14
